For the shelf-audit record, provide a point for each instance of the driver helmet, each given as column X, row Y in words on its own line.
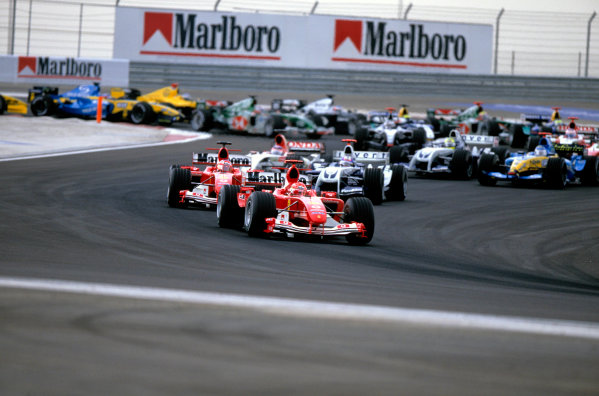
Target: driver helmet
column 346, row 160
column 541, row 151
column 224, row 166
column 277, row 150
column 298, row 189
column 449, row 142
column 571, row 133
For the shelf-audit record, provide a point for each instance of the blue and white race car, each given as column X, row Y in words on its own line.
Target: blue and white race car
column 361, row 173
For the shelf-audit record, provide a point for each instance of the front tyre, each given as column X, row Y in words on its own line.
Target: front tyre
column 398, row 187
column 259, row 207
column 487, row 164
column 179, row 179
column 461, row 164
column 228, row 212
column 374, row 185
column 359, row 210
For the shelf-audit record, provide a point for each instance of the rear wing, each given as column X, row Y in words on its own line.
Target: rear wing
column 567, row 149
column 212, row 158
column 39, row 91
column 272, row 180
column 306, row 147
column 537, row 119
column 480, row 140
column 582, row 129
column 369, row 157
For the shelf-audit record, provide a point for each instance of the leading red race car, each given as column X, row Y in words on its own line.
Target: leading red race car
column 295, row 209
column 190, row 185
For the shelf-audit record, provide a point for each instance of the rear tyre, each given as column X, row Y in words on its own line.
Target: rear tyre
column 398, row 154
column 533, row 142
column 179, row 179
column 273, row 123
column 361, row 136
column 3, row 105
column 359, row 210
column 398, row 187
column 259, row 207
column 501, row 152
column 374, row 185
column 488, row 163
column 518, row 136
column 142, row 113
column 42, row 106
column 590, row 173
column 228, row 212
column 555, row 173
column 419, row 136
column 201, row 120
column 444, row 130
column 461, row 164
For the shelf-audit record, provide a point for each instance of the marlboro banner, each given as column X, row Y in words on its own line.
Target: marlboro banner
column 320, row 42
column 63, row 70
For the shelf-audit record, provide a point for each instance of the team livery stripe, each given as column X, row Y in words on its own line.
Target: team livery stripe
column 389, row 62
column 210, row 55
column 307, row 308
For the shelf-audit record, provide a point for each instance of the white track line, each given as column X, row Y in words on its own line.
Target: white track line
column 316, row 309
column 193, row 137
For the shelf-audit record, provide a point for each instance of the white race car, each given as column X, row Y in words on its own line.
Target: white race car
column 361, row 173
column 456, row 154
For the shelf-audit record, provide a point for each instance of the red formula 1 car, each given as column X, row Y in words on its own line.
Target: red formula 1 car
column 296, row 210
column 190, row 185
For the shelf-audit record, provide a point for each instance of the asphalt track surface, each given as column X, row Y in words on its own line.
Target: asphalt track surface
column 478, row 254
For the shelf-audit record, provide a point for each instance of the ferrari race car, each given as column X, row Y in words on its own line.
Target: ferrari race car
column 190, row 185
column 456, row 155
column 283, row 150
column 552, row 165
column 294, row 209
column 247, row 116
column 9, row 104
column 361, row 173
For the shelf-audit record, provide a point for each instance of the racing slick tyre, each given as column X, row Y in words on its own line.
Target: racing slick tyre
column 273, row 123
column 3, row 105
column 590, row 172
column 398, row 187
column 179, row 179
column 259, row 207
column 228, row 212
column 501, row 152
column 142, row 113
column 533, row 142
column 201, row 120
column 489, row 127
column 461, row 164
column 419, row 136
column 444, row 130
column 399, row 154
column 42, row 106
column 432, row 121
column 518, row 136
column 361, row 137
column 360, row 210
column 556, row 173
column 374, row 185
column 348, row 127
column 487, row 163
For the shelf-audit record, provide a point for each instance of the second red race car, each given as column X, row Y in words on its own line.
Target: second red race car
column 191, row 185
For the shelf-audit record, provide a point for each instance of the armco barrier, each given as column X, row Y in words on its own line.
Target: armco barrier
column 355, row 82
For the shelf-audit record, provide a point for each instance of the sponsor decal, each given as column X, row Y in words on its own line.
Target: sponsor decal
column 46, row 67
column 375, row 42
column 186, row 34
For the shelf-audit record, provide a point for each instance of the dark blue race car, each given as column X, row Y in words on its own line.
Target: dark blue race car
column 79, row 102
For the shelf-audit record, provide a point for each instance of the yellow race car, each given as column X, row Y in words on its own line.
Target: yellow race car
column 170, row 96
column 125, row 105
column 9, row 104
